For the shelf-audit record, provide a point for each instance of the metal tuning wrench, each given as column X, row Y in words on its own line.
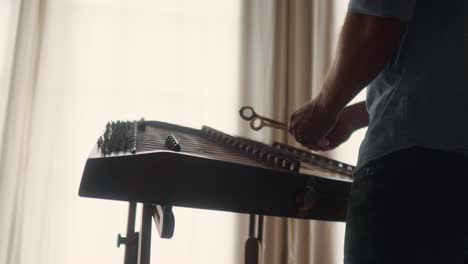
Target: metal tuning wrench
column 257, row 122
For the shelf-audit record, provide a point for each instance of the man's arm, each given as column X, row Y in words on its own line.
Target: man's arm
column 352, row 118
column 365, row 45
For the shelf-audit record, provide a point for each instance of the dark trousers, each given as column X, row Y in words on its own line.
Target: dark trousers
column 410, row 206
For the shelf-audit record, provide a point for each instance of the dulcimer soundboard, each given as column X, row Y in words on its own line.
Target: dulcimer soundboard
column 164, row 164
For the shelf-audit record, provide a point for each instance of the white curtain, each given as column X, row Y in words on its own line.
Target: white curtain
column 77, row 64
column 69, row 66
column 22, row 41
column 8, row 24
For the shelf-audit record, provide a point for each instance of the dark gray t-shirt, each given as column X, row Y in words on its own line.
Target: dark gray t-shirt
column 420, row 98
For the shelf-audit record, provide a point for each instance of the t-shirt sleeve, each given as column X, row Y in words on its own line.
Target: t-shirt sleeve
column 401, row 9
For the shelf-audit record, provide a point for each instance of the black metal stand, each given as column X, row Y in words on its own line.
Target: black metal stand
column 253, row 245
column 131, row 239
column 138, row 244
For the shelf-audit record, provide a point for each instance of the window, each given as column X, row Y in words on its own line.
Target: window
column 174, row 61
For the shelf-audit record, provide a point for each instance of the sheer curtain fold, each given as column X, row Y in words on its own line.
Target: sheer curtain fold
column 287, row 50
column 16, row 131
column 78, row 64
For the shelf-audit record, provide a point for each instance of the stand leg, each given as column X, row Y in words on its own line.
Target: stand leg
column 144, row 247
column 253, row 246
column 131, row 239
column 131, row 246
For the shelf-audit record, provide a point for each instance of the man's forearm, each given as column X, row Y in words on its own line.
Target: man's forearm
column 358, row 115
column 365, row 45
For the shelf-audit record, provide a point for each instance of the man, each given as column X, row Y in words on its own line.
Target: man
column 409, row 198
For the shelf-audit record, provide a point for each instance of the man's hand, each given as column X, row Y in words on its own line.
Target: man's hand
column 311, row 123
column 326, row 137
column 364, row 47
column 340, row 132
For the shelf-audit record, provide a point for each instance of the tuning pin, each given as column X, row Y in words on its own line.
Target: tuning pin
column 141, row 125
column 295, row 165
column 249, row 148
column 207, row 132
column 255, row 152
column 172, row 143
column 259, row 155
column 241, row 146
column 276, row 161
column 227, row 141
column 235, row 144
